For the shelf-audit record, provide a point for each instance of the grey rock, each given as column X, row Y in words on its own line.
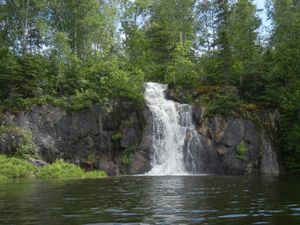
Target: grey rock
column 233, row 133
column 224, row 137
column 75, row 136
column 9, row 143
column 197, row 114
column 140, row 163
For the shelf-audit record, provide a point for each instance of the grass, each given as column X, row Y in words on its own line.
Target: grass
column 12, row 167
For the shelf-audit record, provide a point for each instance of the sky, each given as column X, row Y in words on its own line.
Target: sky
column 261, row 5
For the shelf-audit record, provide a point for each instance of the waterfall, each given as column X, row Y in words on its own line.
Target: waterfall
column 172, row 131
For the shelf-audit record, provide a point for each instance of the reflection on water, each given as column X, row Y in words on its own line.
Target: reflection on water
column 153, row 200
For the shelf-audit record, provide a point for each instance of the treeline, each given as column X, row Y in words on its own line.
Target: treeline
column 75, row 53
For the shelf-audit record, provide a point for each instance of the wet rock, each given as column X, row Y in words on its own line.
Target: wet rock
column 140, row 163
column 109, row 166
column 269, row 161
column 172, row 95
column 197, row 114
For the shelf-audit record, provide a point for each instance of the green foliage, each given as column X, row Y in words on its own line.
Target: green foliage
column 224, row 105
column 219, row 101
column 116, row 136
column 91, row 158
column 3, row 178
column 59, row 170
column 242, row 150
column 126, row 156
column 183, row 70
column 26, row 148
column 290, row 131
column 63, row 170
column 243, row 26
column 122, row 85
column 69, row 54
column 11, row 167
column 94, row 174
column 171, row 24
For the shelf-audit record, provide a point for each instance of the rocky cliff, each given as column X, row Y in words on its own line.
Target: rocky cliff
column 117, row 139
column 235, row 146
column 97, row 138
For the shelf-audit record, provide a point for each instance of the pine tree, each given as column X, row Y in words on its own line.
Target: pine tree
column 243, row 40
column 223, row 39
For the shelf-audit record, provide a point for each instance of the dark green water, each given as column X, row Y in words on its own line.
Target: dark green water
column 153, row 200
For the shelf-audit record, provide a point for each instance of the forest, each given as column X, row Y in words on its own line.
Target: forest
column 77, row 53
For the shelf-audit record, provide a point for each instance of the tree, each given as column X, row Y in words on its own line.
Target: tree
column 171, row 22
column 83, row 22
column 243, row 24
column 205, row 26
column 284, row 75
column 133, row 22
column 61, row 54
column 223, row 38
column 23, row 25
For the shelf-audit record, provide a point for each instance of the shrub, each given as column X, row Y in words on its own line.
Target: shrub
column 224, row 105
column 26, row 148
column 249, row 107
column 126, row 158
column 116, row 136
column 95, row 174
column 61, row 169
column 11, row 167
column 242, row 150
column 208, row 90
column 2, row 178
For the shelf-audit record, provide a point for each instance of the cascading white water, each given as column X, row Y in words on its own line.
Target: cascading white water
column 172, row 130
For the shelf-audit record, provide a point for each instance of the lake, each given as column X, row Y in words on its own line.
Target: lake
column 153, row 200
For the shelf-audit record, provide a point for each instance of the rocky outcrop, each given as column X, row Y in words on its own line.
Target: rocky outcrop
column 118, row 139
column 232, row 146
column 235, row 146
column 96, row 138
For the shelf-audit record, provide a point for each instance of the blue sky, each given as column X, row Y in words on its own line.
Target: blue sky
column 261, row 5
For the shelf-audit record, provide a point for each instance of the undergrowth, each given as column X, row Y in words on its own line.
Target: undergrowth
column 12, row 167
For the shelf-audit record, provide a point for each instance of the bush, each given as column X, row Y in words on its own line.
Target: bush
column 3, row 178
column 11, row 167
column 242, row 150
column 116, row 136
column 250, row 107
column 95, row 174
column 26, row 148
column 61, row 169
column 224, row 105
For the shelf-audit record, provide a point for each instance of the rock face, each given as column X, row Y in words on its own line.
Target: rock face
column 94, row 138
column 235, row 146
column 117, row 139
